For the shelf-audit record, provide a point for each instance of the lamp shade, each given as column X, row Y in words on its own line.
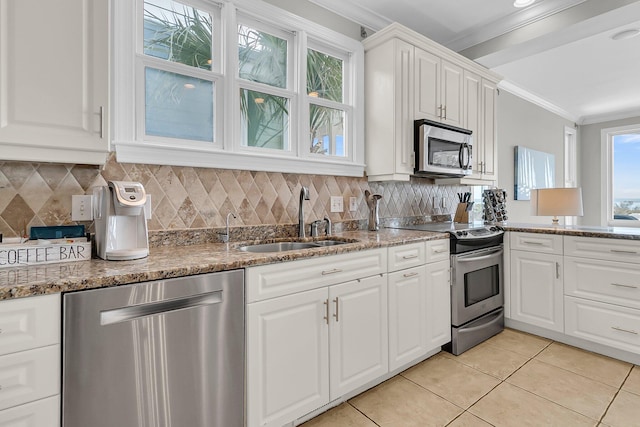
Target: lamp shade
column 556, row 202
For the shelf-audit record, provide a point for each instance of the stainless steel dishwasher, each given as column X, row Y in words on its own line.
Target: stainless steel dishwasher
column 168, row 353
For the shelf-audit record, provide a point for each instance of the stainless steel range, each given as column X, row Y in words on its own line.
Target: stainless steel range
column 477, row 281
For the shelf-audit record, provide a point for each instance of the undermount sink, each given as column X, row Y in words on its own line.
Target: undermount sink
column 290, row 246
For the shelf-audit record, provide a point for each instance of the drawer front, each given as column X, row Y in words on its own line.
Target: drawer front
column 437, row 250
column 606, row 281
column 27, row 323
column 273, row 280
column 607, row 249
column 45, row 412
column 29, row 375
column 536, row 242
column 606, row 324
column 407, row 256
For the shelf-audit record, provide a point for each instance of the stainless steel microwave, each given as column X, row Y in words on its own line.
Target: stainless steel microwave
column 442, row 150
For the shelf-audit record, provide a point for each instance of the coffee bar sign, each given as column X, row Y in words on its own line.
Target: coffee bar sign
column 33, row 253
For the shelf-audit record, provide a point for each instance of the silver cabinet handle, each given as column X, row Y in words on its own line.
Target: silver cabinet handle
column 326, row 311
column 334, row 271
column 101, row 113
column 410, row 256
column 529, row 242
column 410, row 274
column 336, row 314
column 444, row 109
column 619, row 251
column 617, row 328
column 440, row 113
column 439, row 251
column 620, row 285
column 557, row 270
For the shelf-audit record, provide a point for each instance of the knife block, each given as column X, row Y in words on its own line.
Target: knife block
column 461, row 215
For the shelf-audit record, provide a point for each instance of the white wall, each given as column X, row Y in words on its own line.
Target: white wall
column 590, row 142
column 521, row 123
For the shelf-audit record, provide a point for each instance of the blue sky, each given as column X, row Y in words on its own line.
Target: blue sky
column 626, row 166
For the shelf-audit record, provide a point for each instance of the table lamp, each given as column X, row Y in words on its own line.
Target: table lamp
column 556, row 202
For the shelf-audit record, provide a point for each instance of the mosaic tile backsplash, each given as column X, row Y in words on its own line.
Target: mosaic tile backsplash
column 37, row 194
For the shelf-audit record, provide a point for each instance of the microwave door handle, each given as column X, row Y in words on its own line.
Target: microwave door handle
column 461, row 155
column 468, row 156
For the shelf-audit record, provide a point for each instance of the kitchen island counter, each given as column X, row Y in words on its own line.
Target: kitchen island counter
column 630, row 233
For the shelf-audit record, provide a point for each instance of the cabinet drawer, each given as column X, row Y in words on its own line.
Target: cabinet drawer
column 273, row 280
column 29, row 375
column 606, row 281
column 45, row 412
column 536, row 242
column 607, row 324
column 607, row 249
column 31, row 322
column 407, row 256
column 437, row 250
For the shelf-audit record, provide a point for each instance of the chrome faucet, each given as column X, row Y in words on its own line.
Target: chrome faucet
column 225, row 236
column 304, row 195
column 329, row 228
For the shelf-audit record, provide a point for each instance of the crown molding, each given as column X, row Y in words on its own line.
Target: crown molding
column 358, row 14
column 537, row 100
column 608, row 117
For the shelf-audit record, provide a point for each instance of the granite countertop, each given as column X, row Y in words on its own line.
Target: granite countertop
column 628, row 233
column 176, row 261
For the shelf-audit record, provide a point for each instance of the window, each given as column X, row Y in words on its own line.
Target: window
column 238, row 85
column 621, row 191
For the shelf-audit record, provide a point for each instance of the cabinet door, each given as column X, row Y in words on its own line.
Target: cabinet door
column 473, row 118
column 54, row 95
column 489, row 130
column 452, row 93
column 287, row 357
column 358, row 333
column 438, row 304
column 427, row 102
column 44, row 412
column 407, row 315
column 536, row 289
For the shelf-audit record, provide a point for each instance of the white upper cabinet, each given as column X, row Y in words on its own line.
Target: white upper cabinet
column 409, row 77
column 54, row 81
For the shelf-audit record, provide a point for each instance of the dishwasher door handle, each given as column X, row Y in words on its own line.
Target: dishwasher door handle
column 127, row 314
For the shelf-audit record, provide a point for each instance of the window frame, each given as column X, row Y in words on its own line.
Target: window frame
column 606, row 200
column 132, row 145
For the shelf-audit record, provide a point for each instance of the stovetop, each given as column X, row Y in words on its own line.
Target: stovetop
column 456, row 230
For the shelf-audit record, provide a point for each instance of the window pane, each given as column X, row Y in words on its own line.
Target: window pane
column 177, row 33
column 265, row 120
column 626, row 180
column 324, row 76
column 178, row 106
column 262, row 57
column 327, row 131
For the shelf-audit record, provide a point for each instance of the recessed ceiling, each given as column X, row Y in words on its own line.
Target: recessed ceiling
column 558, row 53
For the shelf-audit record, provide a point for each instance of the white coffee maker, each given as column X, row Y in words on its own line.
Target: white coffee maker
column 120, row 221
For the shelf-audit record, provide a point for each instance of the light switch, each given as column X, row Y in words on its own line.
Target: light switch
column 81, row 208
column 337, row 204
column 353, row 204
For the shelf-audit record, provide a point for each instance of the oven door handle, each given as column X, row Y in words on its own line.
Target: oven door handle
column 482, row 257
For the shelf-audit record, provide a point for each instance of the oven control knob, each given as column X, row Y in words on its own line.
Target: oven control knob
column 464, row 233
column 494, row 229
column 459, row 233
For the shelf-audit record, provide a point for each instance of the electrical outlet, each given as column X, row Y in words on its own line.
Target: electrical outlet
column 81, row 208
column 353, row 204
column 337, row 204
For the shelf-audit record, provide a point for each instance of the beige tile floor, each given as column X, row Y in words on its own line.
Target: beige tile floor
column 512, row 379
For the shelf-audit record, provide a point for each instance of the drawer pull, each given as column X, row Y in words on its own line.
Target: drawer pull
column 326, row 308
column 410, row 274
column 529, row 242
column 439, row 251
column 620, row 251
column 337, row 309
column 334, row 271
column 620, row 285
column 410, row 256
column 624, row 330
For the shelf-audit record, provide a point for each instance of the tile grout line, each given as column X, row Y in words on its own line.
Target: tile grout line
column 604, row 414
column 363, row 414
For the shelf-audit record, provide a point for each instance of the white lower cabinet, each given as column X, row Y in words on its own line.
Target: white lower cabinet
column 41, row 413
column 30, row 362
column 419, row 309
column 306, row 349
column 536, row 289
